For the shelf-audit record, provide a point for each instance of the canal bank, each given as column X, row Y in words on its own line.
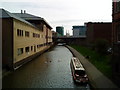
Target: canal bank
column 49, row 70
column 97, row 79
column 5, row 71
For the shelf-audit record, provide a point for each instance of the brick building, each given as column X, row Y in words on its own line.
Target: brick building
column 116, row 41
column 116, row 21
column 98, row 30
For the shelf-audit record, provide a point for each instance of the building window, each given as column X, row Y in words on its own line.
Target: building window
column 26, row 33
column 31, row 48
column 34, row 48
column 19, row 32
column 33, row 34
column 22, row 32
column 26, row 49
column 20, row 51
column 36, row 35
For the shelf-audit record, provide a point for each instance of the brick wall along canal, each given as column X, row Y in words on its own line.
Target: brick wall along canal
column 49, row 70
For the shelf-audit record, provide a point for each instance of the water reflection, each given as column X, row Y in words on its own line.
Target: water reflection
column 50, row 70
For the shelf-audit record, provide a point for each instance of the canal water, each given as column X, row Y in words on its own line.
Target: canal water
column 49, row 70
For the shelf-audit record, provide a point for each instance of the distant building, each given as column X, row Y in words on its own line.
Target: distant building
column 54, row 34
column 67, row 33
column 60, row 30
column 24, row 36
column 98, row 30
column 79, row 31
column 116, row 41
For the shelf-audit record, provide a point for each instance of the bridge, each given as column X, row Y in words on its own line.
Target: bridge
column 70, row 40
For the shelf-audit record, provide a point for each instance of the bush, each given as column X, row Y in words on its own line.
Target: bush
column 102, row 62
column 101, row 46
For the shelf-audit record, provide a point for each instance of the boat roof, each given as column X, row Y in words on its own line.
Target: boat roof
column 77, row 64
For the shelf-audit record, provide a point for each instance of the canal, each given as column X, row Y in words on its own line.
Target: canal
column 49, row 70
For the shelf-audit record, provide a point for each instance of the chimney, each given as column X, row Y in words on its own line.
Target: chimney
column 24, row 11
column 21, row 11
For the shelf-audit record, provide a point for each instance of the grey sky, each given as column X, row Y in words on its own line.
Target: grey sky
column 63, row 12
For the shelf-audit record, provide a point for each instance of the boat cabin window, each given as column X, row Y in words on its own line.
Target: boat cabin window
column 80, row 72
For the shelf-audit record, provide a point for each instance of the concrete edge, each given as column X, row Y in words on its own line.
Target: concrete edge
column 6, row 72
column 92, row 83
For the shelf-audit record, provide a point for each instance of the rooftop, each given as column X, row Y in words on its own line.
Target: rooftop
column 77, row 64
column 27, row 16
column 5, row 14
column 97, row 22
column 78, row 26
column 23, row 17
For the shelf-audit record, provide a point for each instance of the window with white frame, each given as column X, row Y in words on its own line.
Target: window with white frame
column 20, row 51
column 26, row 33
column 19, row 32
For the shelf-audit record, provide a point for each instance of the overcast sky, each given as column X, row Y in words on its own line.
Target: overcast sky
column 64, row 13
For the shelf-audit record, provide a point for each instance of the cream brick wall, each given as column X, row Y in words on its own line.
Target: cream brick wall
column 22, row 41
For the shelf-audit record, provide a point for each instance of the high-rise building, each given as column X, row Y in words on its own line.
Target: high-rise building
column 60, row 30
column 79, row 31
